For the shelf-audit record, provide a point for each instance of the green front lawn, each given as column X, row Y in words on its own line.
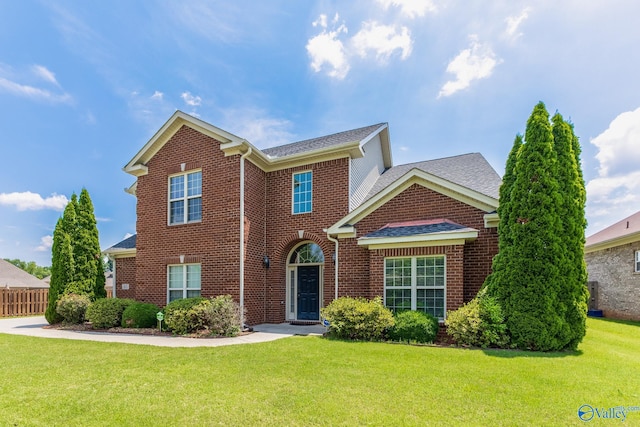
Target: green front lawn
column 313, row 381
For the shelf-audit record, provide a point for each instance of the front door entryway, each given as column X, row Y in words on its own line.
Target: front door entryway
column 308, row 292
column 304, row 282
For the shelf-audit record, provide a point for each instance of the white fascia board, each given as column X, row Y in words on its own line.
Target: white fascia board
column 491, row 220
column 421, row 240
column 120, row 252
column 417, row 176
column 132, row 189
column 612, row 243
column 138, row 170
column 165, row 133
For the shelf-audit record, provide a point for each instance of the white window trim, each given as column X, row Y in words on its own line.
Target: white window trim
column 184, row 288
column 185, row 198
column 293, row 188
column 637, row 263
column 414, row 287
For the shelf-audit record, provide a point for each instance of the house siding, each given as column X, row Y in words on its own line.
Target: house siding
column 618, row 283
column 365, row 171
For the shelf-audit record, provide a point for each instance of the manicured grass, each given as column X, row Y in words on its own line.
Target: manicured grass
column 313, row 381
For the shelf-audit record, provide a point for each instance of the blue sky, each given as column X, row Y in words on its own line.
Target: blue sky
column 84, row 85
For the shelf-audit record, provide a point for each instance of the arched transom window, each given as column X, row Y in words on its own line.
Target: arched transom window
column 308, row 253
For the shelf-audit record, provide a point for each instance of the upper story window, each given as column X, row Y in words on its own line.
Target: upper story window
column 185, row 198
column 637, row 261
column 416, row 283
column 302, row 192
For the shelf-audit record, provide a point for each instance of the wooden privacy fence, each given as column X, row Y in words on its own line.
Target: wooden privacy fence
column 23, row 302
column 26, row 302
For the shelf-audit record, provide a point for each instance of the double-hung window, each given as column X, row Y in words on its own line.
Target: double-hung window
column 185, row 198
column 183, row 281
column 302, row 192
column 637, row 261
column 416, row 283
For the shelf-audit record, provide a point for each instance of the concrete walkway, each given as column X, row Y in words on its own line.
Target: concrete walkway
column 33, row 326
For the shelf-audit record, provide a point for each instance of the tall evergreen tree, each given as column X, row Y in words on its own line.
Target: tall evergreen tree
column 62, row 269
column 572, row 189
column 504, row 212
column 86, row 249
column 531, row 281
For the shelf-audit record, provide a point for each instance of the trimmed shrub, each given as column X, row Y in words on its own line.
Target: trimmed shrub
column 224, row 316
column 140, row 315
column 72, row 308
column 358, row 318
column 478, row 323
column 217, row 316
column 106, row 313
column 415, row 326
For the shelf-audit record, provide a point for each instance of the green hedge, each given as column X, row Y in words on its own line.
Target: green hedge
column 106, row 313
column 219, row 316
column 72, row 308
column 414, row 326
column 140, row 315
column 358, row 318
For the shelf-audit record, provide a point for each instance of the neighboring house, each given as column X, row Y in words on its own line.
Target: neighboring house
column 285, row 230
column 613, row 263
column 13, row 277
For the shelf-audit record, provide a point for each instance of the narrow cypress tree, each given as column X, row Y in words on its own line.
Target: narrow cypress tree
column 530, row 282
column 575, row 298
column 62, row 269
column 87, row 249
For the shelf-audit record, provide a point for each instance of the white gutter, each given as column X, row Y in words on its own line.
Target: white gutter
column 335, row 266
column 245, row 155
column 113, row 281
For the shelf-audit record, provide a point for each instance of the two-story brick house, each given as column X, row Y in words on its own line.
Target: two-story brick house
column 285, row 230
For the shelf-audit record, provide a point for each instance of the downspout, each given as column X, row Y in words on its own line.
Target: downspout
column 244, row 156
column 335, row 266
column 113, row 281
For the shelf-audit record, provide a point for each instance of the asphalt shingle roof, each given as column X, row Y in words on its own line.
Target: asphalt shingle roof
column 128, row 243
column 321, row 142
column 415, row 228
column 468, row 170
column 14, row 277
column 622, row 228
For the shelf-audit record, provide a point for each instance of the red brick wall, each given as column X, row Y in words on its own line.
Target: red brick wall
column 214, row 242
column 255, row 244
column 416, row 203
column 330, row 203
column 125, row 273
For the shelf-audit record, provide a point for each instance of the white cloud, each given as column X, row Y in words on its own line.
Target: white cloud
column 45, row 74
column 257, row 127
column 33, row 201
column 45, row 244
column 615, row 192
column 327, row 51
column 383, row 40
column 33, row 92
column 618, row 146
column 189, row 99
column 514, row 22
column 157, row 95
column 476, row 62
column 410, row 8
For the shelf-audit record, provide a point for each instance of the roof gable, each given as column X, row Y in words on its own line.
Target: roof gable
column 622, row 232
column 414, row 175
